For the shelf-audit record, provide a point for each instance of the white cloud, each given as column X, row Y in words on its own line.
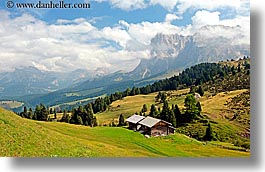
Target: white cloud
column 210, row 25
column 143, row 32
column 117, row 34
column 140, row 4
column 207, row 4
column 204, row 18
column 63, row 46
column 167, row 4
column 171, row 17
column 67, row 45
column 126, row 4
column 180, row 6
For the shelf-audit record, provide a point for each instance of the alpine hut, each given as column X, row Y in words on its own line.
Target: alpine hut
column 155, row 127
column 133, row 122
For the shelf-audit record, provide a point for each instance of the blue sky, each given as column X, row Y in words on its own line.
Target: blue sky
column 108, row 34
column 109, row 15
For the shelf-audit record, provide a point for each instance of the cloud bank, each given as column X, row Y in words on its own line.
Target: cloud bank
column 67, row 45
column 181, row 5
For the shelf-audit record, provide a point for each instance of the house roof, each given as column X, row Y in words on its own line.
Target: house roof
column 135, row 119
column 149, row 121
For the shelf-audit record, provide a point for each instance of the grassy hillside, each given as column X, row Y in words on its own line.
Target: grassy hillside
column 228, row 112
column 20, row 137
column 212, row 105
column 128, row 106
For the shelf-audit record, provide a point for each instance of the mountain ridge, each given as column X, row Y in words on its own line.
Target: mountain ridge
column 169, row 53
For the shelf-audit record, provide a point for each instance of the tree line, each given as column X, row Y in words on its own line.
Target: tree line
column 193, row 76
column 173, row 114
column 81, row 115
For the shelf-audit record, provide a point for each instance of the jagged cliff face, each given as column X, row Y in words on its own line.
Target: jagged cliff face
column 176, row 52
column 164, row 46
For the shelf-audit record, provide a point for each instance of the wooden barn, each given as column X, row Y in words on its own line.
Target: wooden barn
column 156, row 127
column 133, row 122
column 150, row 126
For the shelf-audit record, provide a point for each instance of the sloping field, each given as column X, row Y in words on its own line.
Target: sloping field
column 213, row 106
column 26, row 138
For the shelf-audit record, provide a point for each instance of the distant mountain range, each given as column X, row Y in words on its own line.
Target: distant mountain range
column 169, row 53
column 30, row 80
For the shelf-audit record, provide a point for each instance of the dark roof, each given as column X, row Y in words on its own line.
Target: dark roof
column 135, row 119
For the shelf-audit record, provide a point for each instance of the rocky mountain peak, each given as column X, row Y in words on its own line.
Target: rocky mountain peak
column 177, row 52
column 164, row 46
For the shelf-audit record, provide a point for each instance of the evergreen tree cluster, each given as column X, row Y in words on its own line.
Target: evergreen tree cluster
column 161, row 97
column 66, row 117
column 195, row 89
column 236, row 79
column 41, row 113
column 174, row 116
column 83, row 116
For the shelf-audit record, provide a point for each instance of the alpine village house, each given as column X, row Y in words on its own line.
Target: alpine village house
column 150, row 126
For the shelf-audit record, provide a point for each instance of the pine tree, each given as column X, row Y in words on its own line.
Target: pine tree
column 30, row 114
column 191, row 108
column 153, row 111
column 55, row 114
column 200, row 91
column 79, row 120
column 176, row 111
column 25, row 112
column 126, row 92
column 163, row 97
column 94, row 122
column 144, row 109
column 121, row 121
column 63, row 119
column 158, row 96
column 165, row 111
column 133, row 91
column 137, row 91
column 172, row 119
column 37, row 113
column 233, row 70
column 199, row 106
column 43, row 113
column 90, row 113
column 209, row 133
column 178, row 115
column 68, row 118
column 192, row 89
column 238, row 67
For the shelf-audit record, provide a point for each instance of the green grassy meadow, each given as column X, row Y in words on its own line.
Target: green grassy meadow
column 216, row 108
column 212, row 106
column 21, row 137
